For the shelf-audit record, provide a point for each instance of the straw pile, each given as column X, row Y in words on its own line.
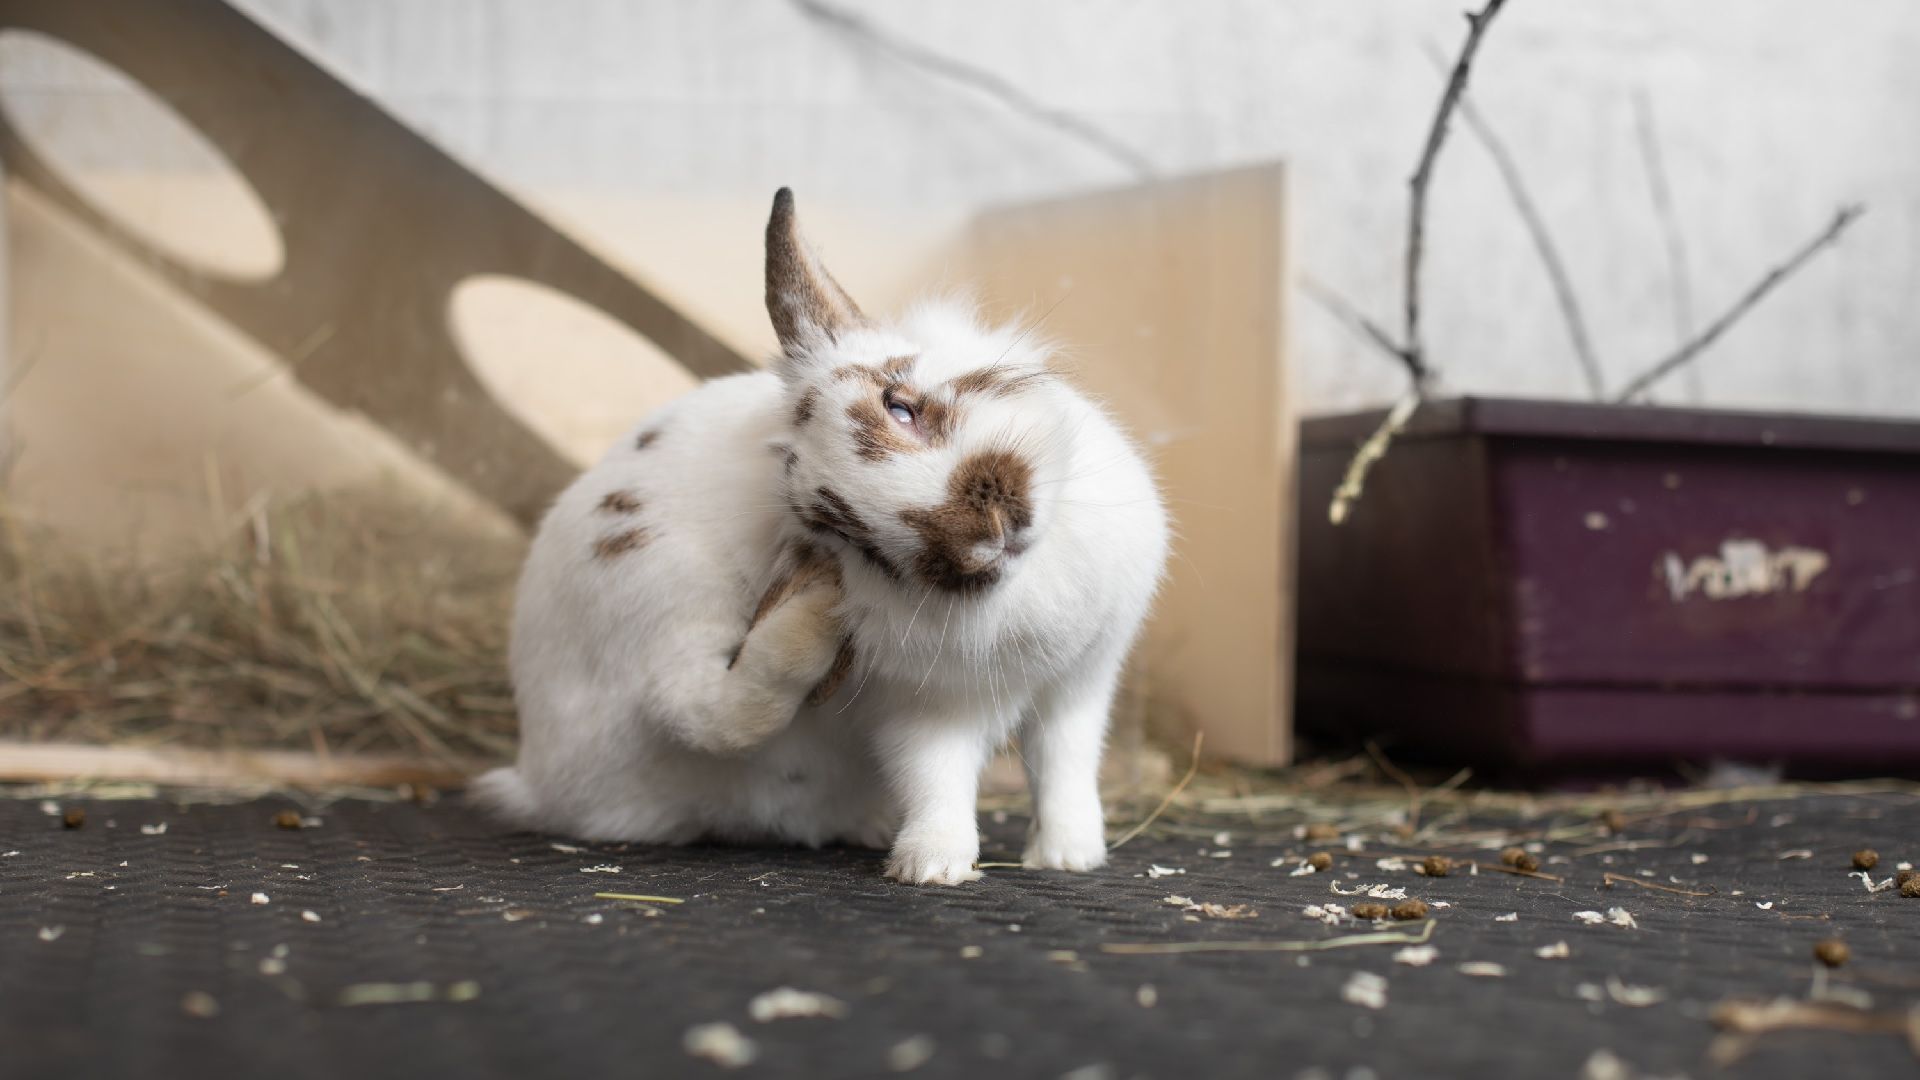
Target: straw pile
column 327, row 624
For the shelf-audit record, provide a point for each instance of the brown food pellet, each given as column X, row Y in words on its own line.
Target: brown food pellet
column 1528, row 862
column 1410, row 909
column 287, row 819
column 1866, row 859
column 1832, row 952
column 1321, row 830
column 1911, row 887
column 1614, row 820
column 1437, row 866
column 1512, row 856
column 1320, row 861
column 1905, row 876
column 1370, row 911
column 74, row 817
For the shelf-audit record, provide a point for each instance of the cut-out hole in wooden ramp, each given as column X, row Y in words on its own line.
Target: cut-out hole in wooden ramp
column 134, row 160
column 566, row 369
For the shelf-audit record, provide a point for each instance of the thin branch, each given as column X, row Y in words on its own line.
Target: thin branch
column 1543, row 243
column 1363, row 327
column 1199, row 737
column 1679, row 274
column 986, row 82
column 1610, row 879
column 1846, row 216
column 1370, row 452
column 1423, row 178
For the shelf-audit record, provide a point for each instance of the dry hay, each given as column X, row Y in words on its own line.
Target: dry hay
column 334, row 624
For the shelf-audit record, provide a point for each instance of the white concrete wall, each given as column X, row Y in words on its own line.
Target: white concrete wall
column 1772, row 113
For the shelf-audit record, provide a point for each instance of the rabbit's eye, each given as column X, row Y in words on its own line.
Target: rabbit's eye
column 901, row 412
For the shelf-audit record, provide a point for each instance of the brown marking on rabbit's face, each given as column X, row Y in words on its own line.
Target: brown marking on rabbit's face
column 831, row 515
column 620, row 543
column 996, row 381
column 965, row 541
column 891, row 373
column 875, row 433
column 623, row 501
column 898, row 417
column 803, row 409
column 645, row 440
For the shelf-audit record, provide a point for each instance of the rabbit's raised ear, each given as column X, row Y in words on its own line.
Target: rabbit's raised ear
column 806, row 304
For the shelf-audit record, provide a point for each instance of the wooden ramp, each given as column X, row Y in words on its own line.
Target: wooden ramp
column 378, row 226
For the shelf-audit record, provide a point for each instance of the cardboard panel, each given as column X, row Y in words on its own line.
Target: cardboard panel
column 1172, row 296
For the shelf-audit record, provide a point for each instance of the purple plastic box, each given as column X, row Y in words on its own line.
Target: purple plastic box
column 1552, row 585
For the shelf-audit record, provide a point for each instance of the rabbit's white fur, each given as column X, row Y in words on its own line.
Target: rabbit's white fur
column 995, row 559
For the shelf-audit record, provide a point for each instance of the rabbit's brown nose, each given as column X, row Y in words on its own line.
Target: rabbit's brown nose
column 988, row 501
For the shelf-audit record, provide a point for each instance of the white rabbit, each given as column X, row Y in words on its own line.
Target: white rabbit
column 808, row 604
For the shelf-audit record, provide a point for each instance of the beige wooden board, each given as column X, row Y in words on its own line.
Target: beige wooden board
column 1172, row 297
column 25, row 762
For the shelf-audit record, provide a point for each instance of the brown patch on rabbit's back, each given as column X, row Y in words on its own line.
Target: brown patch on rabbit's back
column 620, row 543
column 623, row 501
column 645, row 440
column 803, row 409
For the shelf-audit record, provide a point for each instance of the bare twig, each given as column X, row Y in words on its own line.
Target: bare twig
column 986, row 82
column 1399, row 776
column 1543, row 244
column 1351, row 316
column 1199, row 737
column 1610, row 879
column 1679, row 275
column 1843, row 218
column 1371, row 451
column 1743, row 1021
column 1516, row 871
column 1423, row 178
column 638, row 898
column 1379, row 937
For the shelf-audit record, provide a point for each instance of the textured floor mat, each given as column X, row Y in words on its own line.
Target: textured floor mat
column 166, row 941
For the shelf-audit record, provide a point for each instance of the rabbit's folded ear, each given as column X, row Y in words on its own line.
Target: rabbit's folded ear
column 808, row 307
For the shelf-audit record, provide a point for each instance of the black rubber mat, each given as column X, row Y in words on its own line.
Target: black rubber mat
column 126, row 951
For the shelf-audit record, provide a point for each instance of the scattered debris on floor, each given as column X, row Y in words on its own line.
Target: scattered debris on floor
column 1416, row 955
column 1832, row 952
column 720, row 1043
column 910, row 1053
column 1365, row 989
column 395, row 993
column 1212, row 910
column 783, row 1003
column 1743, row 1021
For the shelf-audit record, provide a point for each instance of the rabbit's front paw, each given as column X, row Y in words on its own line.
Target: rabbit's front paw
column 935, row 860
column 794, row 638
column 1063, row 847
